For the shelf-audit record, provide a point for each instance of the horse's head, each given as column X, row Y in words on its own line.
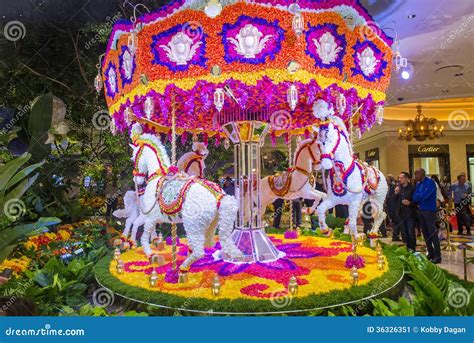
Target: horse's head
column 140, row 170
column 313, row 151
column 200, row 148
column 328, row 138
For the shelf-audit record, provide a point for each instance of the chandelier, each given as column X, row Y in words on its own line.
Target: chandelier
column 421, row 128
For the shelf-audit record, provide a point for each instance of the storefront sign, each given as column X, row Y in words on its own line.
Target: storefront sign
column 372, row 154
column 428, row 149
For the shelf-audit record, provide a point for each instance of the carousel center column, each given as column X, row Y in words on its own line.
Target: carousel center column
column 249, row 234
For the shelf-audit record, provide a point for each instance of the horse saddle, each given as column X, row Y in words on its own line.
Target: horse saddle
column 280, row 183
column 172, row 192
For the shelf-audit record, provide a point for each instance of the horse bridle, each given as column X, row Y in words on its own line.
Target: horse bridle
column 340, row 132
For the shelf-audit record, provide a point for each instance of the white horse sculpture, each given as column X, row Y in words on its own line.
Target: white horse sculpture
column 192, row 163
column 199, row 204
column 350, row 181
column 295, row 183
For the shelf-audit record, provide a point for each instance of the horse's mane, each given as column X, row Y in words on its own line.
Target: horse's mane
column 339, row 122
column 299, row 147
column 156, row 143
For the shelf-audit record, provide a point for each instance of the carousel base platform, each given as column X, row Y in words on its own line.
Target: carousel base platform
column 317, row 264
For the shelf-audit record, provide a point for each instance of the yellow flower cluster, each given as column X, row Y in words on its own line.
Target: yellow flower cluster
column 18, row 265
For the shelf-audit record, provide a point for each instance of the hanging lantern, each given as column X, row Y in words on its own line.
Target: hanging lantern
column 292, row 96
column 227, row 143
column 219, row 99
column 149, row 107
column 113, row 127
column 213, row 8
column 153, row 278
column 128, row 116
column 132, row 43
column 298, row 23
column 379, row 113
column 98, row 84
column 216, row 286
column 341, row 103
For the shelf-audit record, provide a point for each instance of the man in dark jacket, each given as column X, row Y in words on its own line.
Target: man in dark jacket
column 405, row 210
column 425, row 197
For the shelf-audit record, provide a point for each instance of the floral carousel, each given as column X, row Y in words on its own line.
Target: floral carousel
column 245, row 73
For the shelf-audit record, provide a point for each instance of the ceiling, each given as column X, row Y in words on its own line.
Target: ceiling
column 438, row 41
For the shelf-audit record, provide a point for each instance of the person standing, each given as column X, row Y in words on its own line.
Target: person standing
column 405, row 210
column 462, row 200
column 425, row 197
column 278, row 210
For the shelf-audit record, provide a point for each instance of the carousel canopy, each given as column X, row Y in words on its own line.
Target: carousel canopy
column 266, row 60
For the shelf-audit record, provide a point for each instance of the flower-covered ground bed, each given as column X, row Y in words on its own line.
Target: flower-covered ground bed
column 317, row 263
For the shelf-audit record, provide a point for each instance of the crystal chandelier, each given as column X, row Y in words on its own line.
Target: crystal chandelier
column 421, row 128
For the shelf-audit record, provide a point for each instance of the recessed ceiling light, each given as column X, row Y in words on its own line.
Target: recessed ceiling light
column 411, row 16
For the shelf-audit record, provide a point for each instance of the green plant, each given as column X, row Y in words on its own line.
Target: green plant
column 435, row 292
column 57, row 284
column 97, row 311
column 14, row 182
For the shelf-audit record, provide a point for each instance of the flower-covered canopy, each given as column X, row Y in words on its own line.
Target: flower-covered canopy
column 252, row 61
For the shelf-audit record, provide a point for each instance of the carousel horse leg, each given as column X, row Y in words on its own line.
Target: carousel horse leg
column 353, row 214
column 327, row 204
column 211, row 230
column 379, row 215
column 136, row 224
column 145, row 240
column 317, row 196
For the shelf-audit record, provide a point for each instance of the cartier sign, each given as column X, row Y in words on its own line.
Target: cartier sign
column 427, row 149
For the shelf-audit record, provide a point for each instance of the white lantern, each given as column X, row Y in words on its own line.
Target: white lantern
column 341, row 103
column 98, row 84
column 219, row 98
column 127, row 116
column 149, row 107
column 213, row 8
column 132, row 43
column 298, row 23
column 379, row 114
column 292, row 96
